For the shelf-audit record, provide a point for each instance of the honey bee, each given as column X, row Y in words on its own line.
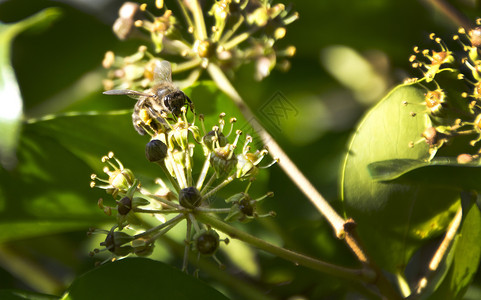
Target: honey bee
column 163, row 97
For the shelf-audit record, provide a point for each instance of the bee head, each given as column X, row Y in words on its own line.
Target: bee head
column 175, row 101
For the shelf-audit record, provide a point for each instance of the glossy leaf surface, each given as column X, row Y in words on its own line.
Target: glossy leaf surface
column 139, row 278
column 393, row 219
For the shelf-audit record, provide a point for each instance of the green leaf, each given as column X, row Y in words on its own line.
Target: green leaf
column 443, row 171
column 139, row 278
column 466, row 257
column 11, row 103
column 393, row 219
column 24, row 295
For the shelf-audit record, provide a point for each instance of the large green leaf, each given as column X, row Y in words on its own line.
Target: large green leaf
column 11, row 103
column 393, row 219
column 139, row 278
column 48, row 190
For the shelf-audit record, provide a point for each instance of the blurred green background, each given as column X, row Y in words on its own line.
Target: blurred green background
column 349, row 54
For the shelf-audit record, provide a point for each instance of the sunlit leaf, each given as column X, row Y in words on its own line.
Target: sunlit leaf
column 139, row 278
column 397, row 216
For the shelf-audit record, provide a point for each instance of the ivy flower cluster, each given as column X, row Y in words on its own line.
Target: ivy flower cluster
column 180, row 193
column 452, row 80
column 240, row 31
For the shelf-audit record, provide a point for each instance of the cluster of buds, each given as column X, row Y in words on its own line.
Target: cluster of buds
column 452, row 80
column 184, row 192
column 243, row 31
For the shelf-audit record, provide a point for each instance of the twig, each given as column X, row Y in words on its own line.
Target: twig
column 275, row 150
column 440, row 252
column 343, row 228
column 364, row 274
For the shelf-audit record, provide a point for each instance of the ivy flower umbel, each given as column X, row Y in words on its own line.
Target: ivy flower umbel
column 243, row 31
column 181, row 193
column 456, row 109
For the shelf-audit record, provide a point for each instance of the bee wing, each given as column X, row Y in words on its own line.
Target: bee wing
column 130, row 93
column 162, row 71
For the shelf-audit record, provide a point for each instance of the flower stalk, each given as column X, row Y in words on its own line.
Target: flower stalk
column 364, row 274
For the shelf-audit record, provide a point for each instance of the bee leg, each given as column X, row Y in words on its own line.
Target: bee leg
column 140, row 130
column 191, row 104
column 158, row 117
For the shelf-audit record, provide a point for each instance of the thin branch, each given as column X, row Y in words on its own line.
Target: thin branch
column 343, row 228
column 364, row 274
column 440, row 252
column 276, row 151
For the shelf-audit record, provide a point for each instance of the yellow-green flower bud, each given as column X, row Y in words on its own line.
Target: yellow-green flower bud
column 245, row 166
column 121, row 179
column 223, row 161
